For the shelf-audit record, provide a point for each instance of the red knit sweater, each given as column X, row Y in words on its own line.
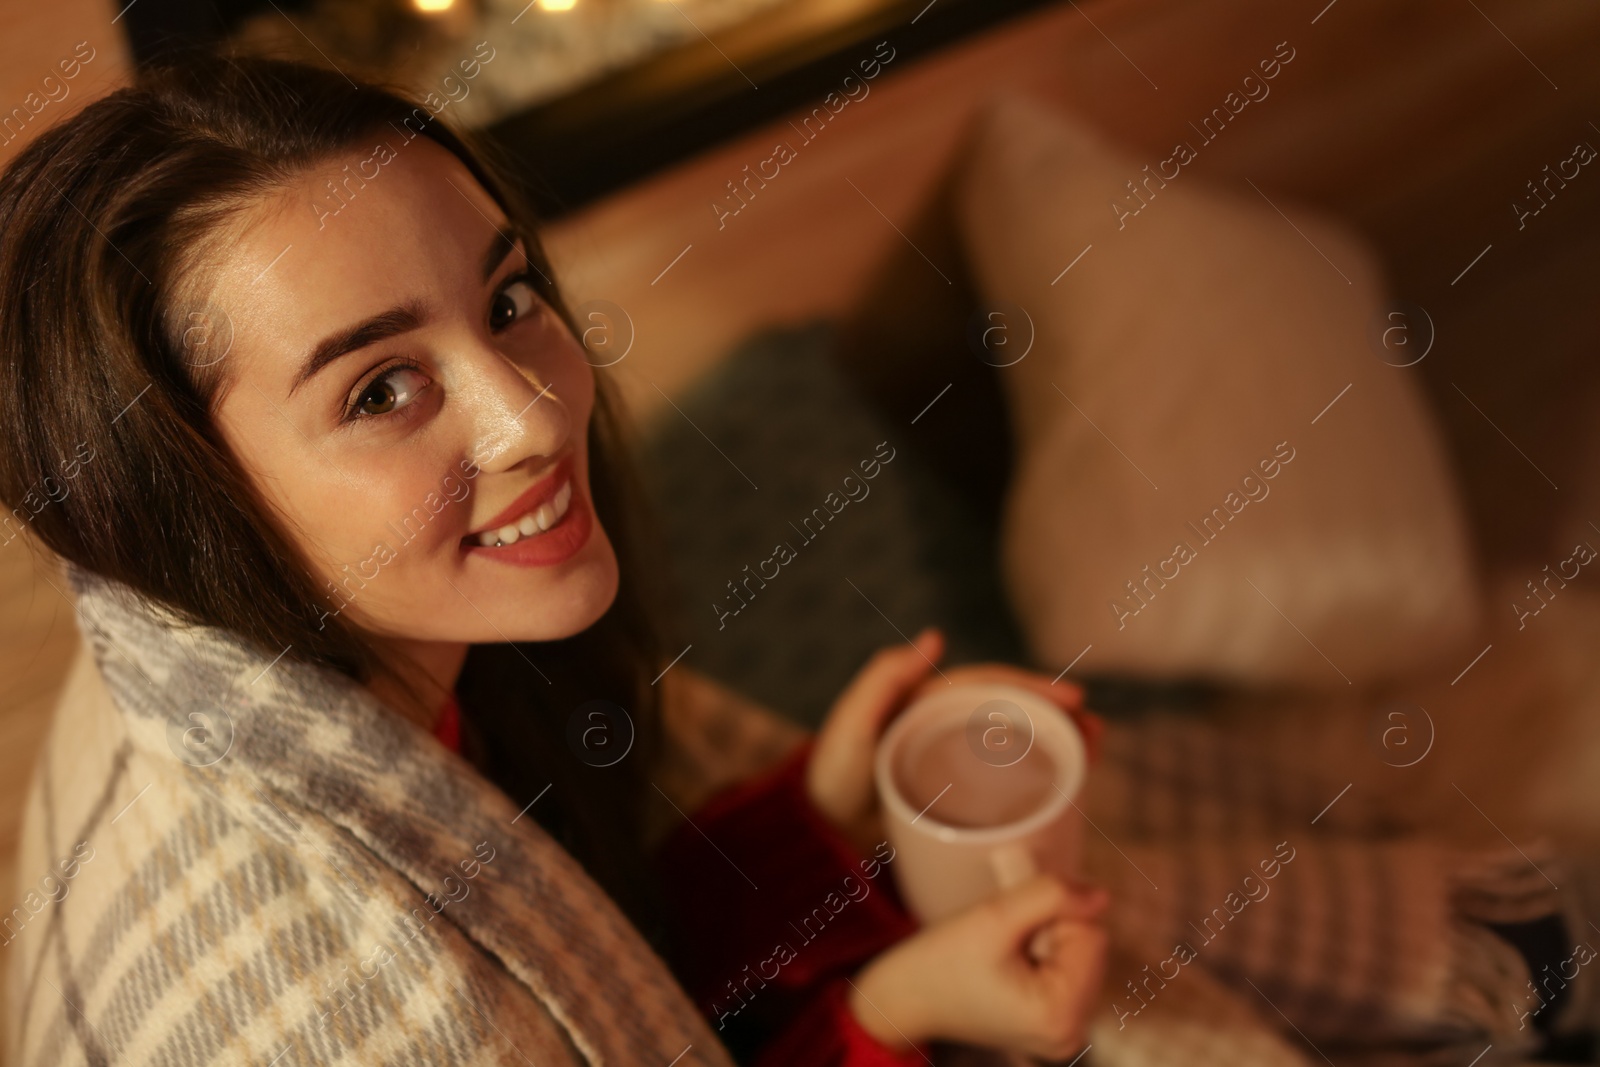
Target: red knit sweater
column 781, row 912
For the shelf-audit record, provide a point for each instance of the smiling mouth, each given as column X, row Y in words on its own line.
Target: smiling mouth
column 531, row 524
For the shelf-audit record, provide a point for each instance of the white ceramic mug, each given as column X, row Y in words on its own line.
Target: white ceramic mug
column 978, row 784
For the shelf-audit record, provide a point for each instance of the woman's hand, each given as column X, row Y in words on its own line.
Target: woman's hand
column 839, row 779
column 970, row 978
column 839, row 775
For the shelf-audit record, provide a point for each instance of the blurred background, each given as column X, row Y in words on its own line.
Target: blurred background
column 771, row 320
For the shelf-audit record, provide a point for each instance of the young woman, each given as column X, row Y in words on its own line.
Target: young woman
column 288, row 385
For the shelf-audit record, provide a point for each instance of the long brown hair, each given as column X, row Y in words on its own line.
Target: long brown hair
column 113, row 461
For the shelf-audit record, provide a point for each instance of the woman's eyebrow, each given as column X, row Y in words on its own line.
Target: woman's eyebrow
column 398, row 320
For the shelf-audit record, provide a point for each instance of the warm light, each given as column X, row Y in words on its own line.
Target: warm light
column 557, row 5
column 433, row 7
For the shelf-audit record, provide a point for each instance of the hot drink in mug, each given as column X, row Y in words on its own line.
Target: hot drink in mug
column 978, row 784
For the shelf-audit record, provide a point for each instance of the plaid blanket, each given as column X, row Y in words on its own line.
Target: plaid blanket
column 232, row 860
column 1266, row 913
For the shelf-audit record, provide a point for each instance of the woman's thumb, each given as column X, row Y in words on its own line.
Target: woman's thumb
column 887, row 677
column 1045, row 898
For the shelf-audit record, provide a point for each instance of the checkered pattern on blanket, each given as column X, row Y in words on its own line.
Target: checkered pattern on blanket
column 336, row 889
column 215, row 913
column 1364, row 936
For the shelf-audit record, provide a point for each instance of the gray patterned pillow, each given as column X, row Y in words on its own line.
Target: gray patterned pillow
column 804, row 532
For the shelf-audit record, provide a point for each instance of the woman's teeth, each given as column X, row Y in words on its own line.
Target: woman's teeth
column 533, row 523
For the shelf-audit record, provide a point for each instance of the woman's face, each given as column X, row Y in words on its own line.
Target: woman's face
column 408, row 404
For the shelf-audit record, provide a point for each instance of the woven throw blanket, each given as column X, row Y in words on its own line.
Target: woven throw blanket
column 1264, row 914
column 236, row 860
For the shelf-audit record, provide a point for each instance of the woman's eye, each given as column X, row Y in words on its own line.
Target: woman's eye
column 389, row 392
column 512, row 303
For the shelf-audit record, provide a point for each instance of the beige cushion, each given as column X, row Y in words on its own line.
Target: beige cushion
column 1174, row 377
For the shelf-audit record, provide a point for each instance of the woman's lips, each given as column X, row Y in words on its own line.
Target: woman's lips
column 557, row 514
column 536, row 495
column 556, row 545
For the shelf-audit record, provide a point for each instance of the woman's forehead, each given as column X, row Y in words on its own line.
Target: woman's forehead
column 352, row 238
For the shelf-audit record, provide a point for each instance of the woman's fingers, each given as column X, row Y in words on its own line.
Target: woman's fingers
column 961, row 979
column 1066, row 694
column 1039, row 916
column 1041, row 899
column 1093, row 729
column 1045, row 898
column 881, row 686
column 839, row 775
column 1086, row 903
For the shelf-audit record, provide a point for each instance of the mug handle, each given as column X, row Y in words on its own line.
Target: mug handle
column 1013, row 864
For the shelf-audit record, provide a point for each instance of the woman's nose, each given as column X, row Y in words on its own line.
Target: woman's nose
column 515, row 414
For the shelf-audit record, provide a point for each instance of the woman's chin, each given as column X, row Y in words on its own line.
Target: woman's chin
column 553, row 604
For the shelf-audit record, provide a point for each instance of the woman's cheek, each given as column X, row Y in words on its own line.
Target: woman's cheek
column 582, row 389
column 586, row 390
